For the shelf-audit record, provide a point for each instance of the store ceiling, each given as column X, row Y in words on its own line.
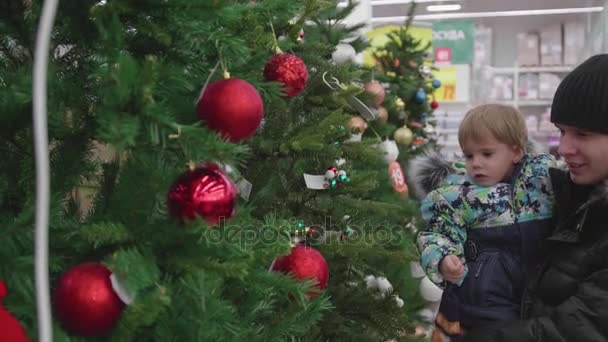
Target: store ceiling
column 484, row 6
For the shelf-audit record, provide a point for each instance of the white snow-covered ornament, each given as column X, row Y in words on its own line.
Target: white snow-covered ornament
column 429, row 291
column 344, row 53
column 390, row 149
column 425, row 71
column 358, row 59
column 429, row 129
column 383, row 285
column 416, row 270
column 399, row 301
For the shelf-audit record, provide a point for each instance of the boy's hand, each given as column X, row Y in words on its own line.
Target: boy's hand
column 451, row 268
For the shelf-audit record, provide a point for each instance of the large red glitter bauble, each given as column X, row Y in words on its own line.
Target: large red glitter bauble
column 205, row 191
column 10, row 329
column 231, row 107
column 85, row 301
column 288, row 69
column 304, row 263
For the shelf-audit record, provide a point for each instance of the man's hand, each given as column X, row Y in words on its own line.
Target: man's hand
column 451, row 268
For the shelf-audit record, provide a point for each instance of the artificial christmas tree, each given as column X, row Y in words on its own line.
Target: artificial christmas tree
column 142, row 78
column 403, row 65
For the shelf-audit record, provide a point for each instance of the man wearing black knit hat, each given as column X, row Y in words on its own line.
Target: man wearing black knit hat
column 567, row 297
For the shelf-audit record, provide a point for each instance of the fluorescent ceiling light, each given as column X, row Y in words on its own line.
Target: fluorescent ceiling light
column 399, row 2
column 490, row 14
column 442, row 8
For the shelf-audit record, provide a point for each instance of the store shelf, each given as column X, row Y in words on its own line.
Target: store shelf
column 527, row 103
column 521, row 70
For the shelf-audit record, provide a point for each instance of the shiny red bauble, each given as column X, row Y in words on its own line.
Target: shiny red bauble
column 304, row 263
column 232, row 107
column 205, row 191
column 85, row 301
column 10, row 328
column 288, row 69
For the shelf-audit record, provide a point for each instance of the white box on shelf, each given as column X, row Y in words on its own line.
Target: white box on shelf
column 528, row 86
column 547, row 86
column 502, row 88
column 528, row 49
column 574, row 41
column 551, row 46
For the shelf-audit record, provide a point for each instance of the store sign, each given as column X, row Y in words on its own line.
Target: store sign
column 453, row 42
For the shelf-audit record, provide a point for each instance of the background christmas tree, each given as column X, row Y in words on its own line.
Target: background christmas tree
column 125, row 83
column 404, row 65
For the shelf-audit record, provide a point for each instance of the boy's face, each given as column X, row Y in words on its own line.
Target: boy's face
column 585, row 153
column 489, row 161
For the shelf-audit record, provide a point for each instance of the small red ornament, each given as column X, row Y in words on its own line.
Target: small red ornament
column 304, row 263
column 205, row 191
column 288, row 69
column 434, row 104
column 85, row 301
column 231, row 107
column 377, row 90
column 10, row 329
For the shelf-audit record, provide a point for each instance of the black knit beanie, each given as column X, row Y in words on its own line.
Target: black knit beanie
column 581, row 100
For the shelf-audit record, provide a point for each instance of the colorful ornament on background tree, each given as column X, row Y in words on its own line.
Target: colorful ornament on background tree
column 357, row 123
column 382, row 115
column 429, row 130
column 377, row 90
column 419, row 141
column 85, row 302
column 232, row 107
column 434, row 104
column 403, row 136
column 420, row 96
column 436, row 83
column 425, row 71
column 288, row 69
column 399, row 104
column 10, row 328
column 416, row 124
column 304, row 263
column 204, row 191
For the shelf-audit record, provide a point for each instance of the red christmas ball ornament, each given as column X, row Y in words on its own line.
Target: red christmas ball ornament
column 304, row 263
column 85, row 301
column 288, row 69
column 205, row 191
column 434, row 104
column 10, row 329
column 377, row 90
column 232, row 107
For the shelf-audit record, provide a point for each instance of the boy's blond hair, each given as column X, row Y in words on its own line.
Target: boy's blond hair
column 505, row 123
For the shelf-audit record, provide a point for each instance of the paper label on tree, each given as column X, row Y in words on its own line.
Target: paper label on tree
column 315, row 182
column 244, row 188
column 397, row 177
